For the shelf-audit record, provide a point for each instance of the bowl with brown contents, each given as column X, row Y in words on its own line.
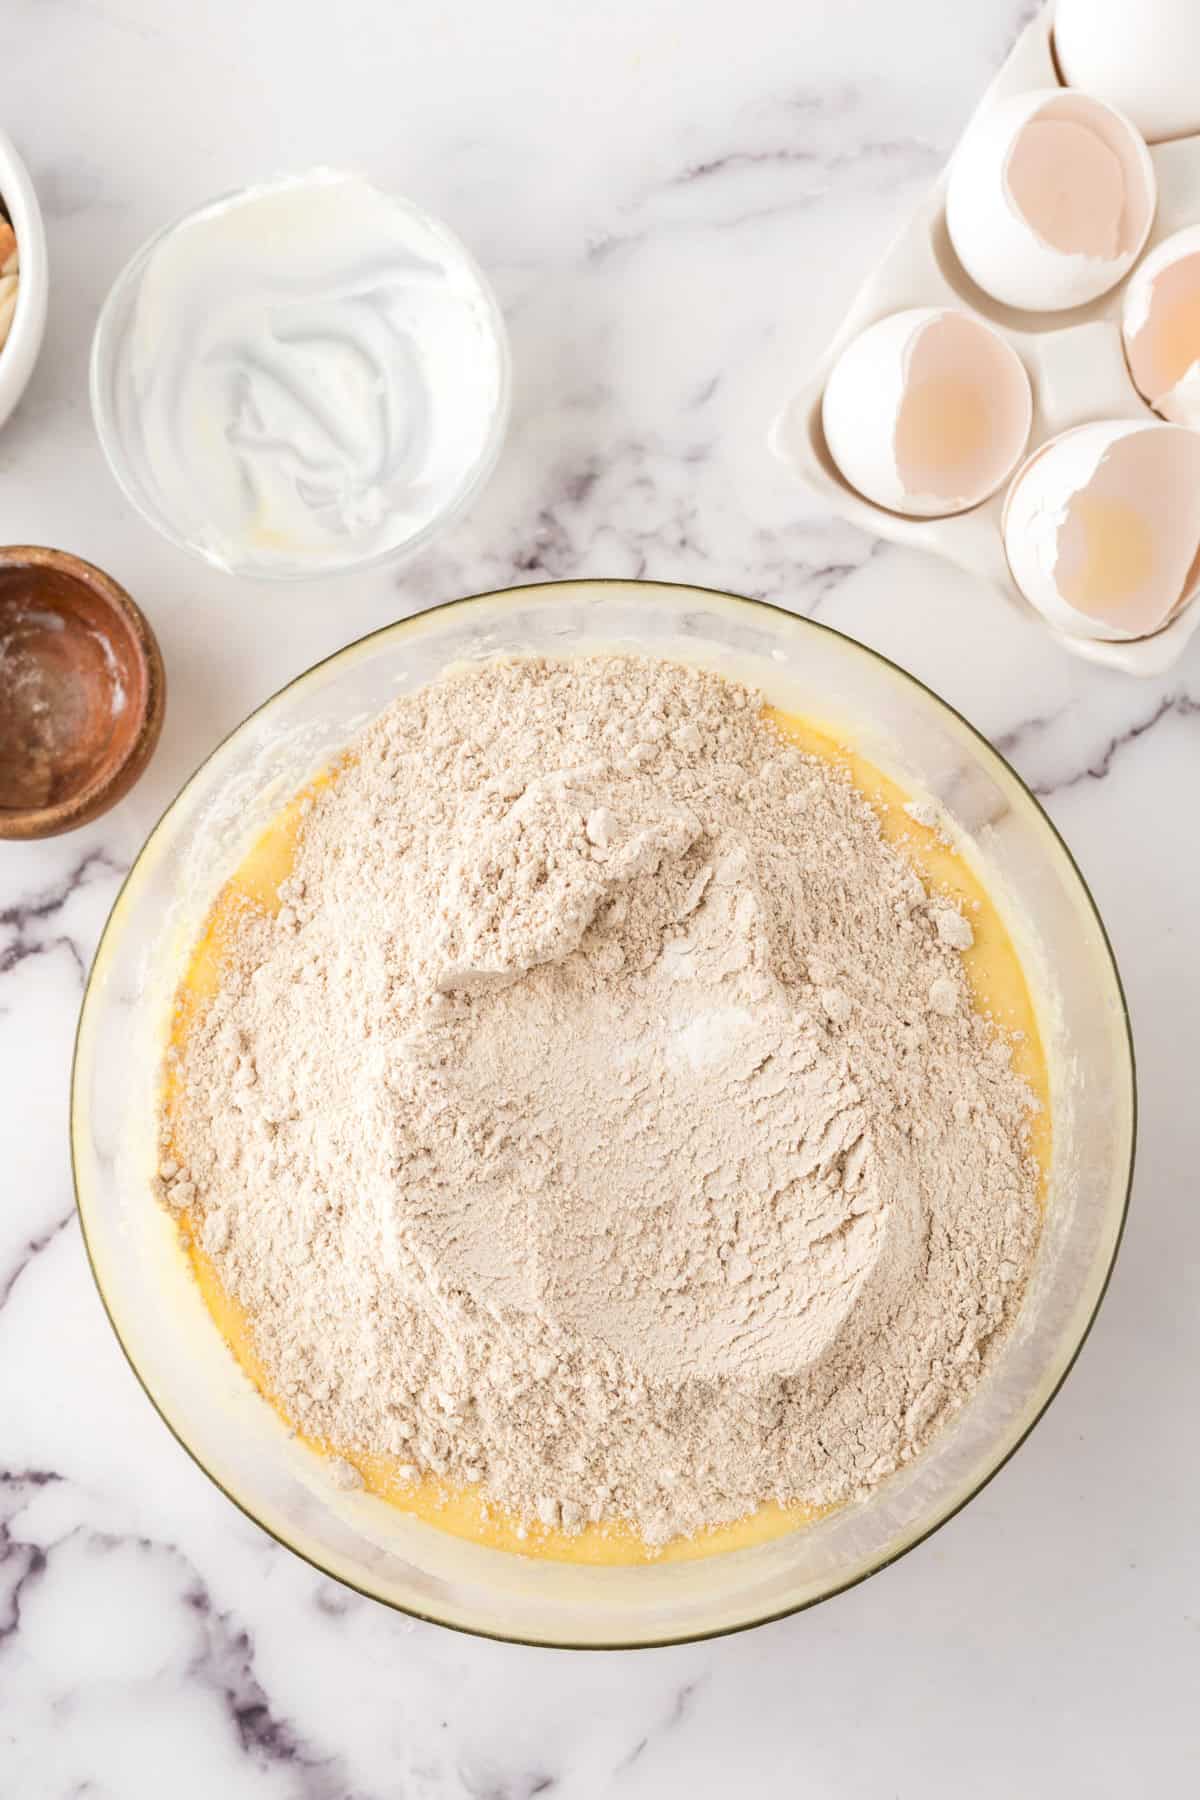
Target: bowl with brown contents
column 82, row 692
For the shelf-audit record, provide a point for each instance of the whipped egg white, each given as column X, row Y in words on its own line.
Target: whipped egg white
column 314, row 373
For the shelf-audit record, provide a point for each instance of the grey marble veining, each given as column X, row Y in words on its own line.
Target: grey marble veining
column 675, row 202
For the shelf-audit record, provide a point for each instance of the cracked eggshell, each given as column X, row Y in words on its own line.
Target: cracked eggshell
column 1140, row 55
column 927, row 412
column 1160, row 323
column 1049, row 200
column 1102, row 527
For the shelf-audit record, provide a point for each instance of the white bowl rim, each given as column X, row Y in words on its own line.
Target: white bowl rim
column 20, row 353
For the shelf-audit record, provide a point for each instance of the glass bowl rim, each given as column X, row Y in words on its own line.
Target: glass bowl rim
column 470, row 488
column 536, row 590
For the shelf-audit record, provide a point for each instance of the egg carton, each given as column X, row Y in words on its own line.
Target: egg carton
column 1075, row 361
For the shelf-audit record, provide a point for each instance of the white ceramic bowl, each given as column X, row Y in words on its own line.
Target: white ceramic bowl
column 155, row 1307
column 29, row 320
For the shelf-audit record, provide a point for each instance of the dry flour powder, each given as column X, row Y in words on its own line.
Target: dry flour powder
column 603, row 1117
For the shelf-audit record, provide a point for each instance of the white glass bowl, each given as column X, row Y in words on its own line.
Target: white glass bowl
column 118, row 422
column 154, row 1305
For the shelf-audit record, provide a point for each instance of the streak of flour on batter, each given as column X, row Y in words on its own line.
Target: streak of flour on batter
column 601, row 1118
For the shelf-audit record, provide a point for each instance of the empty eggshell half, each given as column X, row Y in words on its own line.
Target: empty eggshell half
column 1160, row 323
column 1049, row 200
column 1140, row 55
column 1102, row 527
column 927, row 412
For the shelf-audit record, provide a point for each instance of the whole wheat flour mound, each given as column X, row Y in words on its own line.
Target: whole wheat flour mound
column 603, row 1117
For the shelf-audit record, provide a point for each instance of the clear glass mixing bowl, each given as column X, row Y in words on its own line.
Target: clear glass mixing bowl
column 158, row 1314
column 115, row 413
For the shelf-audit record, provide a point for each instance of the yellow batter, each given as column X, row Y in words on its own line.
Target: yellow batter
column 1000, row 991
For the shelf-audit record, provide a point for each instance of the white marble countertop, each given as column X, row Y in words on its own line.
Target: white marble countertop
column 675, row 200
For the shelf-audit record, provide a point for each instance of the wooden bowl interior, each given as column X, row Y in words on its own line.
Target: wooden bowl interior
column 74, row 688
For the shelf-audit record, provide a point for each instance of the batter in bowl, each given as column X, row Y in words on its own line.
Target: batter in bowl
column 586, row 1119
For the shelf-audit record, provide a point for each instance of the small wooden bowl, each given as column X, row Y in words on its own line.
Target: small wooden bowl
column 82, row 692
